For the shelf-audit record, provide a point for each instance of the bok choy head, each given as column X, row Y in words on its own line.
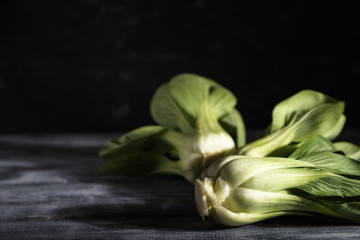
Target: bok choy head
column 300, row 117
column 197, row 124
column 238, row 190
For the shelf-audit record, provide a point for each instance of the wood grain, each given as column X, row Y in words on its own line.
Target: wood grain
column 50, row 188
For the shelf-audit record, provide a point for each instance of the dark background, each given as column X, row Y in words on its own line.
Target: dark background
column 92, row 66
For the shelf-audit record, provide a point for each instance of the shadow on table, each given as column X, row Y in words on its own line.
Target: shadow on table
column 106, row 216
column 157, row 202
column 160, row 203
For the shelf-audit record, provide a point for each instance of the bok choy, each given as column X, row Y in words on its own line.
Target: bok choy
column 238, row 190
column 294, row 120
column 294, row 169
column 197, row 123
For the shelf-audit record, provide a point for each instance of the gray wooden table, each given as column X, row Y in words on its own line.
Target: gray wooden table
column 50, row 188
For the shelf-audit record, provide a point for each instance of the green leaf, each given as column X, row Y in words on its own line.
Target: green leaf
column 297, row 119
column 283, row 151
column 133, row 141
column 333, row 162
column 351, row 150
column 179, row 103
column 337, row 129
column 321, row 120
column 297, row 105
column 347, row 210
column 166, row 112
column 190, row 91
column 140, row 164
column 332, row 186
column 313, row 145
column 221, row 100
column 233, row 123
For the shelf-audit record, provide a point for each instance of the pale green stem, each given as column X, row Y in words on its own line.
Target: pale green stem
column 177, row 139
column 264, row 146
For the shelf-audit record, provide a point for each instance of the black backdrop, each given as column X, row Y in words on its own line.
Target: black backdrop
column 90, row 66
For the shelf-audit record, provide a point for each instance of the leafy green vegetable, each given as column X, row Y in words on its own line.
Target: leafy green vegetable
column 238, row 190
column 142, row 151
column 349, row 149
column 134, row 141
column 233, row 124
column 313, row 145
column 295, row 168
column 295, row 120
column 198, row 123
column 336, row 163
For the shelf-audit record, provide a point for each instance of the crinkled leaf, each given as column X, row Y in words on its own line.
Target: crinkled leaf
column 351, row 150
column 320, row 120
column 179, row 103
column 190, row 91
column 332, row 162
column 133, row 141
column 332, row 186
column 348, row 210
column 233, row 123
column 321, row 115
column 297, row 105
column 313, row 145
